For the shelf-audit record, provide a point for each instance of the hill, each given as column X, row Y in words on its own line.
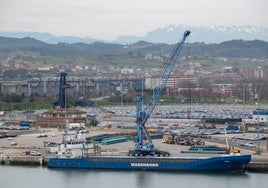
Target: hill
column 232, row 49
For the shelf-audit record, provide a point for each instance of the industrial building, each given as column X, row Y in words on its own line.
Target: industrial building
column 260, row 115
column 57, row 118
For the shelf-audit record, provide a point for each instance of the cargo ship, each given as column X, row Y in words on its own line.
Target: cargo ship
column 92, row 158
column 221, row 163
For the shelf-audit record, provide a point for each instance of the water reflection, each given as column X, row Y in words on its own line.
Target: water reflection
column 40, row 177
column 143, row 178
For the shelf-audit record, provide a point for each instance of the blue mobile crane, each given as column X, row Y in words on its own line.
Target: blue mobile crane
column 143, row 143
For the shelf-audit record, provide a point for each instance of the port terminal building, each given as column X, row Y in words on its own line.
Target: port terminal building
column 259, row 118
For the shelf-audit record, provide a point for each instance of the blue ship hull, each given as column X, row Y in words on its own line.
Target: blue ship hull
column 220, row 163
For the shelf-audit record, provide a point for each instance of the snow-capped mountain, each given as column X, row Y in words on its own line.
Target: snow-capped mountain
column 170, row 34
column 209, row 34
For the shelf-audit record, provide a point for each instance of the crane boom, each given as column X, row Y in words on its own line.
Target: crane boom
column 159, row 90
column 144, row 146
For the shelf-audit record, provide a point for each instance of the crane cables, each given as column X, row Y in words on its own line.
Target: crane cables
column 160, row 76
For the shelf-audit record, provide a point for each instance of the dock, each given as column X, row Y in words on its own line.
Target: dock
column 22, row 160
column 257, row 167
column 19, row 154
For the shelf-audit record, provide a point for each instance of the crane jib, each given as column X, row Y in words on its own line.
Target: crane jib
column 159, row 90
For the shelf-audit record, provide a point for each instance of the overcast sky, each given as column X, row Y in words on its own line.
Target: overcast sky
column 107, row 19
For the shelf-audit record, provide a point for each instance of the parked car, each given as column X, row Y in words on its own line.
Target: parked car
column 249, row 144
column 41, row 136
column 35, row 153
column 83, row 131
column 10, row 138
column 13, row 143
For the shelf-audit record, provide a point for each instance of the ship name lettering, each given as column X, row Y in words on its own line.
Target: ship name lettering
column 144, row 164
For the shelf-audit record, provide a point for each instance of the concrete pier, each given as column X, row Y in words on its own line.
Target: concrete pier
column 22, row 160
column 257, row 167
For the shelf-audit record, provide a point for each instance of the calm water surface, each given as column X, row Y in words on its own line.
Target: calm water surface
column 38, row 177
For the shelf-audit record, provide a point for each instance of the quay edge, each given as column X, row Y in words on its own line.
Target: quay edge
column 22, row 160
column 257, row 167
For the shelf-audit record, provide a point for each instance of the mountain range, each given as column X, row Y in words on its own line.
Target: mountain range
column 255, row 49
column 170, row 35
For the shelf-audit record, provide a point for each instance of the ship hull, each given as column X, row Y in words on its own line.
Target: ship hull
column 220, row 163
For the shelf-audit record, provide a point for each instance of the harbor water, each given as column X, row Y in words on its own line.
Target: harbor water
column 42, row 177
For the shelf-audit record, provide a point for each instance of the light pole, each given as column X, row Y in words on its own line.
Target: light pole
column 65, row 115
column 121, row 93
column 258, row 111
column 259, row 151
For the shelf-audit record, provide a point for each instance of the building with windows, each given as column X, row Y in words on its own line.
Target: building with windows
column 259, row 118
column 57, row 118
column 260, row 115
